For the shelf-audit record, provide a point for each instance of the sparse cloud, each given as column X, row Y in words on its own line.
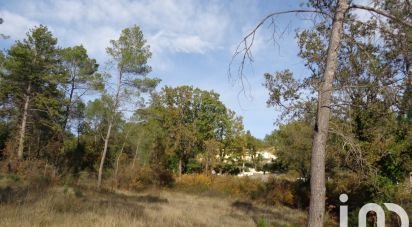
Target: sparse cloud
column 362, row 15
column 183, row 43
column 176, row 26
column 15, row 25
column 192, row 41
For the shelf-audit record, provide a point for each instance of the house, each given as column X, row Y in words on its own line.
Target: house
column 264, row 156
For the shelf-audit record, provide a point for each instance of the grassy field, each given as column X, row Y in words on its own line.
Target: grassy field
column 66, row 206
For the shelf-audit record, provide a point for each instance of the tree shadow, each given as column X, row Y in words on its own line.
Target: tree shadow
column 272, row 217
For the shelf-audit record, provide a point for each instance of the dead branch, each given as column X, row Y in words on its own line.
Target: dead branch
column 380, row 12
column 244, row 46
column 354, row 151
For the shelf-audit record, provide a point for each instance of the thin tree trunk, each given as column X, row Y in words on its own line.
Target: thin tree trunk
column 38, row 145
column 243, row 166
column 109, row 130
column 180, row 167
column 207, row 166
column 119, row 156
column 222, row 159
column 78, row 134
column 69, row 105
column 136, row 152
column 23, row 123
column 135, row 155
column 106, row 144
column 317, row 180
column 117, row 163
column 67, row 114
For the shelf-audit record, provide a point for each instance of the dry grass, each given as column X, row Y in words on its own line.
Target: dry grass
column 60, row 206
column 273, row 191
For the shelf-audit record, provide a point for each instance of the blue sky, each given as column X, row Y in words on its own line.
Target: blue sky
column 192, row 41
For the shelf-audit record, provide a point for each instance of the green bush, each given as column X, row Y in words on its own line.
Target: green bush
column 9, row 177
column 261, row 223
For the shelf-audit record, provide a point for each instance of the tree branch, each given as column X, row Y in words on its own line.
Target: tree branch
column 244, row 47
column 380, row 12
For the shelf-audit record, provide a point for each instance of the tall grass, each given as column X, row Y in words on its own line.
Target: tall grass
column 66, row 206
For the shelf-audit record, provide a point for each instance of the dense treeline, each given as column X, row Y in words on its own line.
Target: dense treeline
column 58, row 106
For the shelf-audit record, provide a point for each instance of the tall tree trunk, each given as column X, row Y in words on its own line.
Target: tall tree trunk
column 23, row 123
column 109, row 130
column 67, row 115
column 317, row 180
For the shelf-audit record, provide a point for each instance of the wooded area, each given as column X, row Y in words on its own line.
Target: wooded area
column 50, row 113
column 344, row 128
column 358, row 90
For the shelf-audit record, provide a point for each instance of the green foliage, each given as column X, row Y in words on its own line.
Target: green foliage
column 33, row 60
column 130, row 52
column 261, row 223
column 162, row 175
column 277, row 166
column 252, row 145
column 33, row 74
column 293, row 143
column 4, row 135
column 81, row 70
column 194, row 125
column 81, row 76
column 282, row 87
column 5, row 178
column 146, row 84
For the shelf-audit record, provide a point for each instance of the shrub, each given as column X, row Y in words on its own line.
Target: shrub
column 196, row 183
column 40, row 182
column 261, row 223
column 6, row 179
column 231, row 186
column 30, row 169
column 273, row 192
column 279, row 191
column 140, row 178
column 35, row 175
